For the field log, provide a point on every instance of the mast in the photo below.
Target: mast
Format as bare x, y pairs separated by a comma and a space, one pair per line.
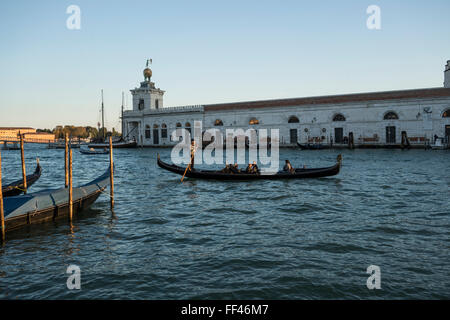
122, 118
103, 119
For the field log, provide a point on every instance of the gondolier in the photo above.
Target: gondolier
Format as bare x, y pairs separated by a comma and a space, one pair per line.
193, 150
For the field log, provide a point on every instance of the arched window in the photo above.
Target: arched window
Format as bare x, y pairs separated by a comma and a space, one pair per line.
339, 117
178, 125
391, 116
147, 132
218, 123
163, 130
253, 121
293, 119
155, 126
446, 114
188, 127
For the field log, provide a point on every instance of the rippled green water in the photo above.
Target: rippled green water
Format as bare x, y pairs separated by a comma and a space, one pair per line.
305, 239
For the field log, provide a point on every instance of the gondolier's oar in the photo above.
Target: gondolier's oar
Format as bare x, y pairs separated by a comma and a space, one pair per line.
187, 168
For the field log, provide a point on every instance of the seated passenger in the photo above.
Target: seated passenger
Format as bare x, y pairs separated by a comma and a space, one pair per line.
288, 167
234, 168
255, 168
227, 168
249, 168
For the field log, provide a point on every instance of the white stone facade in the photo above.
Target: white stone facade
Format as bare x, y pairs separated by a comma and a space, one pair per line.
421, 114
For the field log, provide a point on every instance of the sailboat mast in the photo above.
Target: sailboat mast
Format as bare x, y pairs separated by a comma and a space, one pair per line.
122, 117
103, 118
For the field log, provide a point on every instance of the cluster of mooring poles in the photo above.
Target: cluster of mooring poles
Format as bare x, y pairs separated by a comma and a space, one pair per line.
68, 178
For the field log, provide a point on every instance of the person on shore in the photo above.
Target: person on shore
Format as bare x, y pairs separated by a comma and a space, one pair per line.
288, 167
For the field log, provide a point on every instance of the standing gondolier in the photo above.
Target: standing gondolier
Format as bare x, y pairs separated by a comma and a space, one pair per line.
193, 150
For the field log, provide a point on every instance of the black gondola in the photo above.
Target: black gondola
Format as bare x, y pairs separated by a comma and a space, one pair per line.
88, 151
312, 146
51, 204
119, 144
218, 175
15, 188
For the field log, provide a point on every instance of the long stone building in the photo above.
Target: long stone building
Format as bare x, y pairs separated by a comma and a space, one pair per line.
368, 119
12, 134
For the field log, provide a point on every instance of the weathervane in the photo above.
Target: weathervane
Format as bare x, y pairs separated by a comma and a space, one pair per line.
149, 60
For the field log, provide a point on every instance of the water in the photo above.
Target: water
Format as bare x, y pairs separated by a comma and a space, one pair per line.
304, 239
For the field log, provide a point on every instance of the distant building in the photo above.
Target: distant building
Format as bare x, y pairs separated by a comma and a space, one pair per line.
29, 134
372, 119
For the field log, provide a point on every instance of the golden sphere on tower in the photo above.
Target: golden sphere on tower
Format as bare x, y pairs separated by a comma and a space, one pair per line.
147, 73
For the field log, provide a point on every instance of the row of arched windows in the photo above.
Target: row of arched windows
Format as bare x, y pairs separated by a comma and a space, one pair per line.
254, 121
294, 119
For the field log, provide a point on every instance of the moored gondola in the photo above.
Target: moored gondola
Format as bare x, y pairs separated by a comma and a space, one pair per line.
313, 146
89, 151
51, 204
17, 187
218, 175
119, 144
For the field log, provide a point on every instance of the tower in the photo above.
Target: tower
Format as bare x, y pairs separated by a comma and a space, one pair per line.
147, 96
447, 75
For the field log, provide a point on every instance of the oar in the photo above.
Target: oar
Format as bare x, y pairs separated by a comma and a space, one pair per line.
189, 165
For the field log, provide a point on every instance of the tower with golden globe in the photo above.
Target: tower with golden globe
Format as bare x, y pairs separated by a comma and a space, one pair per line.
147, 96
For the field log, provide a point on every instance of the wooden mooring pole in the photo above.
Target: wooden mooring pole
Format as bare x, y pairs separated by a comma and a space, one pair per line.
66, 160
111, 173
70, 186
24, 171
2, 216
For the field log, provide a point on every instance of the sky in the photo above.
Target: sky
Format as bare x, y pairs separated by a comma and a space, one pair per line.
209, 52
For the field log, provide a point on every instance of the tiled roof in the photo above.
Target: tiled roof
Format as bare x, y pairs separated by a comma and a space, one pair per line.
335, 99
15, 128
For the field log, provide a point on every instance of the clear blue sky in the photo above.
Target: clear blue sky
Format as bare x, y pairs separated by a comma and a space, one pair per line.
209, 52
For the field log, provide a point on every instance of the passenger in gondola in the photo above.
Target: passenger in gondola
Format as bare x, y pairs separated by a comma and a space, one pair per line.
288, 167
234, 168
227, 168
249, 168
255, 168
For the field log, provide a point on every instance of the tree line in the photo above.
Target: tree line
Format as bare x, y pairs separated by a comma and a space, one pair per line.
80, 132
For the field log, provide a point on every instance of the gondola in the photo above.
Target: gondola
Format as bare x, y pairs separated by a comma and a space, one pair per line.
119, 144
62, 145
312, 146
51, 204
88, 151
218, 175
15, 188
